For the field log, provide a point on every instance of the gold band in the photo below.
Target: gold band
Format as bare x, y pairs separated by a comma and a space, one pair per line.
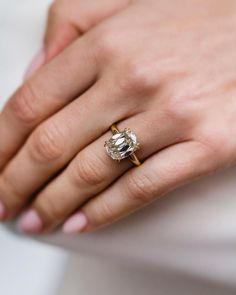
133, 158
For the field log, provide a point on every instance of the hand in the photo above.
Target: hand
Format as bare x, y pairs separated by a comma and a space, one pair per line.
171, 81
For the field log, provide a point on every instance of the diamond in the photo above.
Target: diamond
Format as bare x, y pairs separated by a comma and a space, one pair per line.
122, 144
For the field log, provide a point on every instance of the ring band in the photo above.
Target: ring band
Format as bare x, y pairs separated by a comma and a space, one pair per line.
123, 144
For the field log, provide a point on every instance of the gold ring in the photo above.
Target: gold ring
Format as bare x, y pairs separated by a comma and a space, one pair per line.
123, 144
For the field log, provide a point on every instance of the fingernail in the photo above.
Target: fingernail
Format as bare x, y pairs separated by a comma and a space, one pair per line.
75, 224
35, 64
31, 222
2, 211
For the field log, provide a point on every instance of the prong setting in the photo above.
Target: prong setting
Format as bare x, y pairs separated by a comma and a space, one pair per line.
122, 145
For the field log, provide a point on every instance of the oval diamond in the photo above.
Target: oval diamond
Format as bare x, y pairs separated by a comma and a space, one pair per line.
122, 144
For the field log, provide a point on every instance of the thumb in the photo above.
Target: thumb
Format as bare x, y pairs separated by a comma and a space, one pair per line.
67, 20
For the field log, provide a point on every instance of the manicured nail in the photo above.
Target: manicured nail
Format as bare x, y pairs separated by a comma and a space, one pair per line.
31, 222
35, 64
2, 211
75, 224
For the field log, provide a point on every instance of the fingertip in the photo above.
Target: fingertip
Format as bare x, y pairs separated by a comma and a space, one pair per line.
31, 222
36, 63
75, 224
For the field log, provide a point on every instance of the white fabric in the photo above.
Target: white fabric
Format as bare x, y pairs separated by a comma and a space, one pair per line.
182, 244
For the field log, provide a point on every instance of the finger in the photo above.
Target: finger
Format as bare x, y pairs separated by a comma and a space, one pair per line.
53, 87
91, 172
67, 21
53, 144
161, 173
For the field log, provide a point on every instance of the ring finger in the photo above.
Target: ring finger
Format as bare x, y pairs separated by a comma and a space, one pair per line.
92, 171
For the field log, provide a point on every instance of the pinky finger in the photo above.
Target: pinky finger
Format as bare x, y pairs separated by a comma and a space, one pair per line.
161, 173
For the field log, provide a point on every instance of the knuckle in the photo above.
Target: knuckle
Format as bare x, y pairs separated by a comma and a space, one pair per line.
51, 210
106, 42
179, 109
86, 170
140, 188
46, 144
106, 212
138, 77
24, 104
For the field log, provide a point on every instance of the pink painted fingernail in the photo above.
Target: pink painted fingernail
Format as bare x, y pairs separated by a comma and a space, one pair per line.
35, 64
2, 211
75, 224
31, 222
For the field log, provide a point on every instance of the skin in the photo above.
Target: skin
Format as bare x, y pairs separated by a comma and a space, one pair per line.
165, 71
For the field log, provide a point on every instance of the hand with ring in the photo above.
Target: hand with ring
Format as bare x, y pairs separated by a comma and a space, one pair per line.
152, 81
